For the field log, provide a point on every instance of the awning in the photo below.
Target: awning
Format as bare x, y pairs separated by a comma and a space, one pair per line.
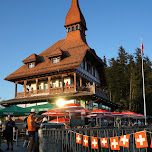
14, 111
44, 107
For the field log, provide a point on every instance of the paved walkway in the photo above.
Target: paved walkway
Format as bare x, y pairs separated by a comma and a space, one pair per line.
18, 148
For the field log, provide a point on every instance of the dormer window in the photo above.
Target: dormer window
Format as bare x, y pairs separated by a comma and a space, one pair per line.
56, 60
72, 28
31, 65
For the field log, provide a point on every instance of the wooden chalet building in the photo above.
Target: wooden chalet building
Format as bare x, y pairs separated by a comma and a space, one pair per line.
68, 69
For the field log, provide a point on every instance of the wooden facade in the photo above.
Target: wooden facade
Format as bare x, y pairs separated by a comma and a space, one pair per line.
68, 68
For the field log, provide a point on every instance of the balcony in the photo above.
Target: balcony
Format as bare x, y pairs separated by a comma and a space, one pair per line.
45, 91
57, 85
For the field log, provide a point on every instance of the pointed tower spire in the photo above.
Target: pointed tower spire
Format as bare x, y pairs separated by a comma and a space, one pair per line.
75, 21
75, 15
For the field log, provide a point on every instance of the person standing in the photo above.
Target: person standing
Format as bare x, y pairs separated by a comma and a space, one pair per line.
67, 84
139, 123
31, 129
9, 124
1, 123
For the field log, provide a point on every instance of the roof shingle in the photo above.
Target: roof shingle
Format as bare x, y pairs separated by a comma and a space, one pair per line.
74, 48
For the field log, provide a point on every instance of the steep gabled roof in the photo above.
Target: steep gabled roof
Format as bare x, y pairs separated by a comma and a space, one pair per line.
57, 52
31, 58
75, 51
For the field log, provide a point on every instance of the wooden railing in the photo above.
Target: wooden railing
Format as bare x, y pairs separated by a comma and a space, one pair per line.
45, 91
41, 91
102, 92
20, 94
56, 90
68, 88
30, 93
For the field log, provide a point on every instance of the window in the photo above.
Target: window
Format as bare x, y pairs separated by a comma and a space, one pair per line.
88, 67
77, 27
39, 87
60, 84
31, 65
45, 86
54, 84
72, 28
84, 64
56, 60
68, 29
94, 72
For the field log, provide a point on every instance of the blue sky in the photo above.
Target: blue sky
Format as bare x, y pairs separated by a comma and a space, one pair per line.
31, 26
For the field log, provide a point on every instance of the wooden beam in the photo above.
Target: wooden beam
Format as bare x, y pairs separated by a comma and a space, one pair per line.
71, 73
75, 82
16, 89
80, 81
36, 86
25, 82
49, 86
62, 77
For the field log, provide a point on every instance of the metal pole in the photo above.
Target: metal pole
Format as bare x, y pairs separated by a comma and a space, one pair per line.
143, 84
17, 137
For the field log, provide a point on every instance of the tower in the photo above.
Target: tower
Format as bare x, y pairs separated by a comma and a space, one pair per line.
75, 22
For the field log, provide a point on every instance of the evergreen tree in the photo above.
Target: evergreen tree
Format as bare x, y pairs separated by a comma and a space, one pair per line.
125, 83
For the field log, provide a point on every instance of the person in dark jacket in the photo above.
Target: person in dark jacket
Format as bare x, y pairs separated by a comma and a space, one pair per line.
9, 124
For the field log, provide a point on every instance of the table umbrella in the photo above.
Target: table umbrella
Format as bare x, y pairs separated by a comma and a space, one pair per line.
137, 116
68, 107
54, 113
60, 120
80, 110
100, 113
115, 115
128, 113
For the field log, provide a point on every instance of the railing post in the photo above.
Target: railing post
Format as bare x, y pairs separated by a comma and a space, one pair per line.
80, 82
49, 86
62, 77
75, 82
25, 82
36, 86
16, 89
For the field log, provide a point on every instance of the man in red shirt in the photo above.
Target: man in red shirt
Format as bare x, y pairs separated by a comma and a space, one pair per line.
31, 129
67, 84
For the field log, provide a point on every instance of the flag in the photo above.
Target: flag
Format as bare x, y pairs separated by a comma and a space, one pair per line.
104, 142
94, 142
141, 139
114, 142
124, 141
78, 138
142, 47
85, 141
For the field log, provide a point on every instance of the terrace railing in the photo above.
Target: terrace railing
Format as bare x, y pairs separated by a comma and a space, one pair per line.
62, 140
46, 91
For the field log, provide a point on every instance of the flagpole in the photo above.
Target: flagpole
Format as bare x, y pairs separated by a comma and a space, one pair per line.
143, 82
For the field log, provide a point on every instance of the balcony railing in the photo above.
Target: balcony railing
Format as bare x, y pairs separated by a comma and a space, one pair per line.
93, 89
20, 94
45, 91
